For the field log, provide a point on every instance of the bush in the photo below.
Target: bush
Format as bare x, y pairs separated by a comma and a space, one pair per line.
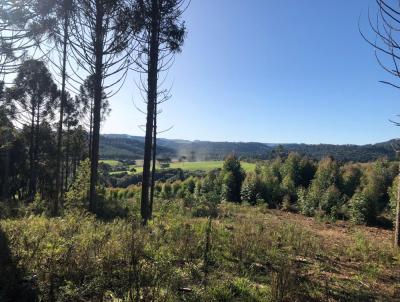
77, 195
232, 178
38, 206
286, 204
205, 210
166, 191
251, 189
307, 201
361, 209
393, 198
331, 202
238, 289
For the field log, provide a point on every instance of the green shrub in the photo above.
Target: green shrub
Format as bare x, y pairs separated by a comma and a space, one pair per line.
232, 177
251, 189
331, 202
166, 191
393, 191
361, 209
38, 206
205, 210
77, 195
308, 201
238, 289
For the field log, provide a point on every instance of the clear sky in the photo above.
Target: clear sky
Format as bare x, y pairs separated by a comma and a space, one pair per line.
284, 71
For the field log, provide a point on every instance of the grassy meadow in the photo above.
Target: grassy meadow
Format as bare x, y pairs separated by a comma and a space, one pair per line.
186, 166
111, 162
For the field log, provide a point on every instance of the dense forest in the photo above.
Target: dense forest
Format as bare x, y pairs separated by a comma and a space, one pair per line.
91, 217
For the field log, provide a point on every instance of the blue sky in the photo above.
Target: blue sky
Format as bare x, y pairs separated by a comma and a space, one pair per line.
284, 71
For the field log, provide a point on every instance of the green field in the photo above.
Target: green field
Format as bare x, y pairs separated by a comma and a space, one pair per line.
110, 162
202, 166
190, 166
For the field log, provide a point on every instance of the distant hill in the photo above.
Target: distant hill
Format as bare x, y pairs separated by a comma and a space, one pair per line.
122, 146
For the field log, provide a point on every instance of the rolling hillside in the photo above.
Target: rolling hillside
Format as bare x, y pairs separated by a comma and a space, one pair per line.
121, 146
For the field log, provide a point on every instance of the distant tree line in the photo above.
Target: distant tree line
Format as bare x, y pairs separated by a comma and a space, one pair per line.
124, 147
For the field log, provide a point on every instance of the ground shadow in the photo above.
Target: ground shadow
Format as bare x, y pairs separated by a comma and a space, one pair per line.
13, 287
382, 223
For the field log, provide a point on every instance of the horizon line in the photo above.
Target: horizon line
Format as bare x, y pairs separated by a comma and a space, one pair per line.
257, 142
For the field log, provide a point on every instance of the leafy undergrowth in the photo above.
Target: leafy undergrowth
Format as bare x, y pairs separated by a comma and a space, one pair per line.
245, 254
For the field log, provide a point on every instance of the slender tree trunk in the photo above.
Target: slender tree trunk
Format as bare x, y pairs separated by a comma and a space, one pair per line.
151, 99
397, 223
60, 123
153, 170
67, 159
31, 156
91, 129
36, 153
74, 158
97, 104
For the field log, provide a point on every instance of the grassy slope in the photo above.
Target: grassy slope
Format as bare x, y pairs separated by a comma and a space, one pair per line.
251, 249
338, 261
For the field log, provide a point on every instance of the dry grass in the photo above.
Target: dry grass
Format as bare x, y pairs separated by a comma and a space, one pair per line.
350, 263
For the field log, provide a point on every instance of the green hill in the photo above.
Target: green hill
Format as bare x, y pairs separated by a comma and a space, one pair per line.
117, 146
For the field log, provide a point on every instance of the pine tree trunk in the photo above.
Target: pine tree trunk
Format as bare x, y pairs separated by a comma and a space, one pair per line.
36, 154
94, 164
153, 170
397, 222
151, 99
91, 129
67, 145
31, 156
60, 123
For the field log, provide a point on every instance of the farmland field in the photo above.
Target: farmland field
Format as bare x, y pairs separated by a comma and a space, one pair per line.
110, 162
188, 166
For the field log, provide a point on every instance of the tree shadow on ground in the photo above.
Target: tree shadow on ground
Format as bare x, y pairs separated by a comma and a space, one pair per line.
383, 223
13, 287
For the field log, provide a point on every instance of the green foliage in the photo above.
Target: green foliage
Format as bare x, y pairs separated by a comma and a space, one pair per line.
122, 146
291, 174
331, 201
251, 256
251, 189
189, 185
373, 196
77, 195
271, 177
327, 174
205, 209
166, 191
238, 289
393, 193
323, 194
232, 176
38, 206
350, 178
307, 201
361, 208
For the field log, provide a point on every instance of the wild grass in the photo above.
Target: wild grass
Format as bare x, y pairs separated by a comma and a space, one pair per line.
244, 254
